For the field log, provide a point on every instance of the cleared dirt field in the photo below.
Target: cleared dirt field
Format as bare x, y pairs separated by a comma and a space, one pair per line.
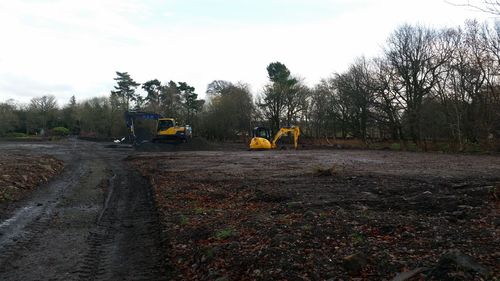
232, 214
326, 214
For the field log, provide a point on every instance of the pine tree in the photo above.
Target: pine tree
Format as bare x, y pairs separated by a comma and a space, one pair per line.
125, 88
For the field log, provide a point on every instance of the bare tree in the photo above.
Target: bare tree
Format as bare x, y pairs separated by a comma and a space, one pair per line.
388, 106
10, 120
295, 101
355, 86
42, 111
487, 6
229, 111
417, 54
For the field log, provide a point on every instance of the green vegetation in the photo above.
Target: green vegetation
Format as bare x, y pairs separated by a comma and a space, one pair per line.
209, 253
358, 238
184, 220
473, 148
200, 211
224, 233
411, 146
60, 131
16, 135
444, 147
395, 146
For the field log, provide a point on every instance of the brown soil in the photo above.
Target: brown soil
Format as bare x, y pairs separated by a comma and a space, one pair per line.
21, 173
297, 215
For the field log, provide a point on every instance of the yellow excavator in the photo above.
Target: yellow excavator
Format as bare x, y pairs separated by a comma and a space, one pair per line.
261, 137
166, 129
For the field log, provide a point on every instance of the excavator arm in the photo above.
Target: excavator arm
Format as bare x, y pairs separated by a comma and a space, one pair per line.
132, 116
286, 130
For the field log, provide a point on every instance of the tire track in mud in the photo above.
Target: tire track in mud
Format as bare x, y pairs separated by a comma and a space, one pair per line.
96, 221
127, 242
31, 221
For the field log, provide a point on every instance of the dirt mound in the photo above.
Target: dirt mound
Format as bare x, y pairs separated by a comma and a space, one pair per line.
22, 173
195, 144
143, 133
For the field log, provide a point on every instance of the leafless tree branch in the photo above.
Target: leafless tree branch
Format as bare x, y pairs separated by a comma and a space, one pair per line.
487, 6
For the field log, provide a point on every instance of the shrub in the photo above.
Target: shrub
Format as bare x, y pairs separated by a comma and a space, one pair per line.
444, 147
60, 131
411, 146
16, 135
395, 146
224, 233
184, 220
473, 147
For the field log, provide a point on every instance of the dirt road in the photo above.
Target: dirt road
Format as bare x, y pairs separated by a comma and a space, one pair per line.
96, 221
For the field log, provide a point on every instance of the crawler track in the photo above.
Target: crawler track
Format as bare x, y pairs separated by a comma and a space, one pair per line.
128, 216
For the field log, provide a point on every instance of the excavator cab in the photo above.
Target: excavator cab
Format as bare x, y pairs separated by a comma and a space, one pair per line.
261, 132
261, 139
164, 124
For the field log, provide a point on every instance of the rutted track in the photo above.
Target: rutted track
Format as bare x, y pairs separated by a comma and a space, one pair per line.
96, 221
128, 216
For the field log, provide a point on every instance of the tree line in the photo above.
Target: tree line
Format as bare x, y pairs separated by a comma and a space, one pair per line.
427, 85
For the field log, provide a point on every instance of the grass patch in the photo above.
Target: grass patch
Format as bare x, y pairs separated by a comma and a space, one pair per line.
395, 146
473, 148
200, 211
184, 220
411, 146
444, 147
16, 135
209, 253
358, 238
306, 227
224, 233
6, 195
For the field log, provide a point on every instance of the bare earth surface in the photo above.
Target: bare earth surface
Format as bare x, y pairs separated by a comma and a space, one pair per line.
19, 174
113, 213
327, 214
94, 221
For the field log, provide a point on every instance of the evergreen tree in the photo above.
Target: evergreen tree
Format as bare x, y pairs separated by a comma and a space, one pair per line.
189, 101
125, 88
152, 88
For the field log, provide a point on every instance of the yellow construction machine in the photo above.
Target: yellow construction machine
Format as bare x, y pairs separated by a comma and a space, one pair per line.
166, 129
261, 137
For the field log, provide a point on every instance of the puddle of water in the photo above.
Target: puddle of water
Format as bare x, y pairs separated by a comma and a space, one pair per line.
16, 217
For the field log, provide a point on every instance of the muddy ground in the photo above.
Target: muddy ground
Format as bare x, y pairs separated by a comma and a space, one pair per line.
114, 213
19, 174
326, 214
96, 220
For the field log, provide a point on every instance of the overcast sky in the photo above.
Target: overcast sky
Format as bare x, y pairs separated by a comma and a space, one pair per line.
74, 47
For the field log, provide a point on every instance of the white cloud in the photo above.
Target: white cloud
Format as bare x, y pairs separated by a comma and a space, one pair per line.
80, 44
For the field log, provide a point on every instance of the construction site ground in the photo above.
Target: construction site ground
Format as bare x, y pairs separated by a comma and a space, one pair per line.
114, 213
